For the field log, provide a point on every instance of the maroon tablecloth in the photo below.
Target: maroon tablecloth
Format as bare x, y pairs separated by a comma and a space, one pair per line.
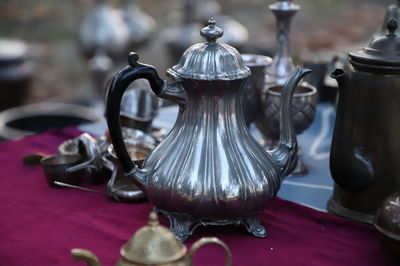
39, 225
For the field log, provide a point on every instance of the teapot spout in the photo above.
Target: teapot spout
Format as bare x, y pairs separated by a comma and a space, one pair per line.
86, 256
350, 167
284, 155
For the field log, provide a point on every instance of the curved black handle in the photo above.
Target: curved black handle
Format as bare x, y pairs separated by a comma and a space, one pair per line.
113, 103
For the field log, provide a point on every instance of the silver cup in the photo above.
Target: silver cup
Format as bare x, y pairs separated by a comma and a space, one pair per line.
254, 85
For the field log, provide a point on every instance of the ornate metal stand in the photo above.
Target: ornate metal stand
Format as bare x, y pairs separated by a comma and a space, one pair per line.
183, 225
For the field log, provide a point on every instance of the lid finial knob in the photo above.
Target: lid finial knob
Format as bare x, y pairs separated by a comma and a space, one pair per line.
392, 26
153, 219
133, 59
211, 32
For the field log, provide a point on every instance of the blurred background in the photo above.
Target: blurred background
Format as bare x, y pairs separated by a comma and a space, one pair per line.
56, 57
60, 71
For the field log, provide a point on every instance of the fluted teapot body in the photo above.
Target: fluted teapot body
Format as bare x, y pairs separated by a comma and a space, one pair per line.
209, 157
208, 169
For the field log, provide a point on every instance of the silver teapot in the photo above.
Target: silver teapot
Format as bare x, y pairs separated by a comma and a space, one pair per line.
209, 170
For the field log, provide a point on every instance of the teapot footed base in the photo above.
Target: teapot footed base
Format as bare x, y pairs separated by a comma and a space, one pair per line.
183, 225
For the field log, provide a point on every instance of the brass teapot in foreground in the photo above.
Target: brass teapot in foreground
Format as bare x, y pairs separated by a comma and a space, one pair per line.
209, 170
364, 159
154, 245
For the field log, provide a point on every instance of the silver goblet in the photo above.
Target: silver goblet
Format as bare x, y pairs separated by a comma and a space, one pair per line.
258, 65
303, 108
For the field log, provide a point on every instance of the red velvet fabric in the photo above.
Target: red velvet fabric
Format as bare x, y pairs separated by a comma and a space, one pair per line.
39, 225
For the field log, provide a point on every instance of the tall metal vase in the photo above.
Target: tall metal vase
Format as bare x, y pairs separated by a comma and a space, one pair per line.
282, 66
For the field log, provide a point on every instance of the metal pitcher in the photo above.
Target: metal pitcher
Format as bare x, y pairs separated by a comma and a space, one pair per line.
365, 150
208, 170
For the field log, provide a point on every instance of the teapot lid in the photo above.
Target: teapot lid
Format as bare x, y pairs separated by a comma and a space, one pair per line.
153, 244
210, 60
382, 55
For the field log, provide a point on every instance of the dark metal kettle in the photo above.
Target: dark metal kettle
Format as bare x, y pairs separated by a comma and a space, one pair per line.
365, 146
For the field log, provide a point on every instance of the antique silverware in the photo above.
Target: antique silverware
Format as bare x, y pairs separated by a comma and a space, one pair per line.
92, 158
140, 24
282, 66
387, 223
154, 245
91, 154
62, 184
139, 106
121, 186
251, 99
303, 107
71, 146
33, 158
56, 167
208, 170
180, 37
365, 146
277, 73
103, 29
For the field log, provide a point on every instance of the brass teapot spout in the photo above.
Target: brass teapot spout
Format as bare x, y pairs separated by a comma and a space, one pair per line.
154, 244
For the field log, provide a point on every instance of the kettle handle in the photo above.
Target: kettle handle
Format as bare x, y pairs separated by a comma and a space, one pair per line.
209, 240
116, 89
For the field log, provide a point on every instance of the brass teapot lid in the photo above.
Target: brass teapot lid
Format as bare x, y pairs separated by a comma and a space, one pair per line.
382, 55
153, 244
210, 60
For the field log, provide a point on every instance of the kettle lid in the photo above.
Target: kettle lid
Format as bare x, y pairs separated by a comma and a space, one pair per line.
153, 244
382, 55
210, 60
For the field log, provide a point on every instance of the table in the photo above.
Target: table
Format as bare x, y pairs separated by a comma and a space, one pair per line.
39, 224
